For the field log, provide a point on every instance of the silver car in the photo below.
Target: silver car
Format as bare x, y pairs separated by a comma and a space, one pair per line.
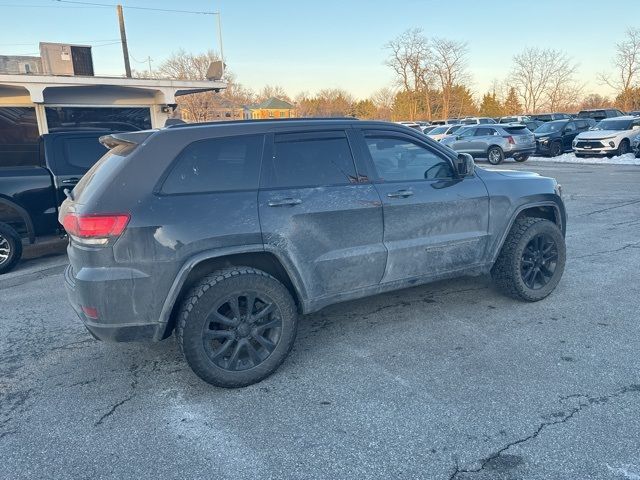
494, 142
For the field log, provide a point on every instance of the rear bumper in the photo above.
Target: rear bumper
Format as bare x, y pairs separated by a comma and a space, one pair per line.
117, 320
517, 150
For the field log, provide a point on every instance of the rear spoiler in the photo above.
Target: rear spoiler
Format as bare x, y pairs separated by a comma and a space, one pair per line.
131, 138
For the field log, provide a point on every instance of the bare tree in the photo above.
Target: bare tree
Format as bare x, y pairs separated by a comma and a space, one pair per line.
383, 100
543, 78
269, 91
627, 64
450, 66
410, 60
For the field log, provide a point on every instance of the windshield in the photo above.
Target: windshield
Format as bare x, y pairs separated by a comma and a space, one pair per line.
551, 127
592, 114
439, 130
613, 124
454, 129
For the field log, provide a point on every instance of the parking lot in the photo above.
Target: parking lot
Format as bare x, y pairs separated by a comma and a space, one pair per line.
445, 381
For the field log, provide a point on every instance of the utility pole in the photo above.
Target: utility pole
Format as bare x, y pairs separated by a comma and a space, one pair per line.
123, 38
220, 41
149, 60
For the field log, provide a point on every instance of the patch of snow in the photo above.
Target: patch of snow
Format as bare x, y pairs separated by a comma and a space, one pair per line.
625, 471
628, 159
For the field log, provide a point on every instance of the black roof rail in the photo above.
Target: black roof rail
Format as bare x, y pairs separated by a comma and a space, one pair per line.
235, 122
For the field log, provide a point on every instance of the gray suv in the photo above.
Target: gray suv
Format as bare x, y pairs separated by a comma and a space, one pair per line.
224, 233
494, 142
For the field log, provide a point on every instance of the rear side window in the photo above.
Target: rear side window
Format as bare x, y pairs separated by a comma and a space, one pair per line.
483, 132
18, 137
75, 155
310, 159
216, 165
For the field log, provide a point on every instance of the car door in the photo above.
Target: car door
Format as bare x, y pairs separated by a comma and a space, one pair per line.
318, 213
569, 132
483, 138
464, 141
434, 221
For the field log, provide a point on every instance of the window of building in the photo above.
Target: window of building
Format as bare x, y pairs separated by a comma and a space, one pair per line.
216, 165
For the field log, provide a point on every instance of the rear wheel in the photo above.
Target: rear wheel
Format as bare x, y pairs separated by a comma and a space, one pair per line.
531, 261
555, 149
521, 158
495, 155
236, 326
10, 248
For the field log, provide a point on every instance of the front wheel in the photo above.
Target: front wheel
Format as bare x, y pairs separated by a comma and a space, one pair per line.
532, 259
555, 149
624, 147
495, 155
10, 248
236, 326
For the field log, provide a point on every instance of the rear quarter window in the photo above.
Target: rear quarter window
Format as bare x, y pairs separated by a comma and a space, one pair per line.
216, 165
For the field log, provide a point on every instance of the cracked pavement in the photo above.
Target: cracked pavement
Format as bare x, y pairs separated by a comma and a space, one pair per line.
445, 381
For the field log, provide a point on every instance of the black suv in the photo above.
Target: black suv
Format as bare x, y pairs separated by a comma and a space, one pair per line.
600, 113
554, 138
225, 232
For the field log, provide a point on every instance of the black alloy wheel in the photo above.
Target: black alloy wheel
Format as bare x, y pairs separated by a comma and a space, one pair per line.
242, 331
538, 262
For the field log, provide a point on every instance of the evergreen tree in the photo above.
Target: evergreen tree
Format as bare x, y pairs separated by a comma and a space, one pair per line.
512, 105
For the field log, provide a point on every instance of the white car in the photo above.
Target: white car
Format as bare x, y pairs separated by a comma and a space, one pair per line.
611, 136
515, 119
477, 121
442, 131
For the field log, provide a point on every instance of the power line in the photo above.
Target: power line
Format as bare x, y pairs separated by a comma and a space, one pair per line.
111, 5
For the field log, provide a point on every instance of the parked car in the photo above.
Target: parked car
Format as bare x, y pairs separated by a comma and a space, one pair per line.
600, 114
441, 131
514, 119
554, 138
413, 125
32, 184
494, 142
477, 121
428, 129
448, 121
612, 136
532, 125
635, 146
223, 233
635, 113
549, 117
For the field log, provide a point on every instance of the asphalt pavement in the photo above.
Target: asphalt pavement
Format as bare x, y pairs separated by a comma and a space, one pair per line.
445, 381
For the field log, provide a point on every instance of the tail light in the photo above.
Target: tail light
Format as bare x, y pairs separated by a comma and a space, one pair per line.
95, 229
511, 140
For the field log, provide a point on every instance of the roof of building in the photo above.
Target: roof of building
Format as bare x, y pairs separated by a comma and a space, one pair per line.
272, 103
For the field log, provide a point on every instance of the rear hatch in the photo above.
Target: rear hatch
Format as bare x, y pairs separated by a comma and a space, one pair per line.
521, 134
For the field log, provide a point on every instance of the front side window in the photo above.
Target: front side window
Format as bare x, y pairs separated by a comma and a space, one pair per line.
466, 132
397, 159
310, 160
571, 127
216, 165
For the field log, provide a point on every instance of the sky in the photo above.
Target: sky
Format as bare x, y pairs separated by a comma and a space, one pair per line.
305, 45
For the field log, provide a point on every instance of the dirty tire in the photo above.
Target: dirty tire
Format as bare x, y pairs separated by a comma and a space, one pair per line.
10, 248
624, 147
508, 271
495, 155
521, 158
207, 322
555, 149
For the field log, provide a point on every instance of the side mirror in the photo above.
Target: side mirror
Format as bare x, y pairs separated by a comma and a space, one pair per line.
465, 165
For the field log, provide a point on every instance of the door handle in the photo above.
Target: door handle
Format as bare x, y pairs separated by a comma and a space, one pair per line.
71, 180
400, 194
284, 202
